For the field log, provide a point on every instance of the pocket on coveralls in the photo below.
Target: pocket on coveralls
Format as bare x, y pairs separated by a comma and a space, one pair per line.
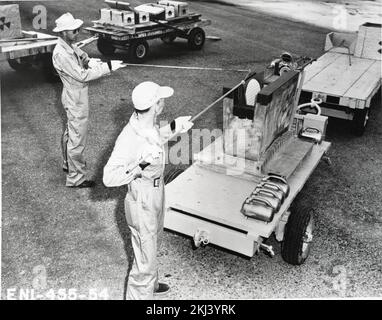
131, 208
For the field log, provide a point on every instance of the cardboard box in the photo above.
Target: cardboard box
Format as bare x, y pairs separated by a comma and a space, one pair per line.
154, 12
181, 8
169, 11
141, 17
10, 22
273, 114
117, 17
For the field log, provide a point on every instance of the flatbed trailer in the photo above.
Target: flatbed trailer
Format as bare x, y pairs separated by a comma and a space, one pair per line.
205, 201
347, 76
33, 48
134, 38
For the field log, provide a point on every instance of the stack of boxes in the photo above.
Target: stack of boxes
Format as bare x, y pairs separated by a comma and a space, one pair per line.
119, 14
117, 17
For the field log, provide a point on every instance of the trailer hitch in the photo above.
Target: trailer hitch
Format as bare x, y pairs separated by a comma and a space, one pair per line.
267, 248
201, 238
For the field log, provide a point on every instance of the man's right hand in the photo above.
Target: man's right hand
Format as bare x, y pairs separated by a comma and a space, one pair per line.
117, 64
183, 124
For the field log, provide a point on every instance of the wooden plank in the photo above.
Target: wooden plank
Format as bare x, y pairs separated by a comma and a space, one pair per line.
28, 46
218, 197
289, 158
318, 66
365, 85
337, 78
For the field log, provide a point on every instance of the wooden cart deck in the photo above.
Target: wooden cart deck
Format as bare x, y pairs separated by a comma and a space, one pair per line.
18, 49
352, 80
205, 198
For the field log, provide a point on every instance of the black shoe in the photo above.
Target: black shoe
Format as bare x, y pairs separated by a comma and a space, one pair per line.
85, 184
162, 289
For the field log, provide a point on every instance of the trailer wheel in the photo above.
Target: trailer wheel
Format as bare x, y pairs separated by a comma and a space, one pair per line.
168, 39
105, 47
298, 236
138, 50
171, 175
361, 117
20, 64
196, 38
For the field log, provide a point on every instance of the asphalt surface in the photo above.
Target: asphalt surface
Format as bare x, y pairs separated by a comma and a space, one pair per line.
55, 238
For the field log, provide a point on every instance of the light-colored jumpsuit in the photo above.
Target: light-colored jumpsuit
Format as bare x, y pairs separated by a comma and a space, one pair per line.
70, 63
144, 202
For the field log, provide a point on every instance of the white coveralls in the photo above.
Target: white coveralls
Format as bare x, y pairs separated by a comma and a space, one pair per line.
70, 64
144, 202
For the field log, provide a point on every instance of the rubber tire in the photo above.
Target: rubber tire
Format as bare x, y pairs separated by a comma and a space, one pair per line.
291, 247
139, 56
172, 174
168, 39
105, 47
196, 38
19, 64
360, 121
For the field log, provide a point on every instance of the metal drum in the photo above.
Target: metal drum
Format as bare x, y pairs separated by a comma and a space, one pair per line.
272, 197
279, 181
258, 208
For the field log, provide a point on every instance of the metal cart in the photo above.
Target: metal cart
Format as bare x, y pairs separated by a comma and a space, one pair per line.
135, 38
207, 200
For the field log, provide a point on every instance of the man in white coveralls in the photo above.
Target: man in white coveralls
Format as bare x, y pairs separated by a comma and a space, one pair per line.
76, 69
138, 160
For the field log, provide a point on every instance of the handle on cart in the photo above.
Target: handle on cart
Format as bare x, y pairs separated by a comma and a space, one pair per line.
269, 192
266, 183
271, 176
262, 201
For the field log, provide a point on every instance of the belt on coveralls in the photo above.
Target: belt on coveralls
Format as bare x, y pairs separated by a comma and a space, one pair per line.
147, 181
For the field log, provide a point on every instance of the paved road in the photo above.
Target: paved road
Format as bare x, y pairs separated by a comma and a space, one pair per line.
55, 237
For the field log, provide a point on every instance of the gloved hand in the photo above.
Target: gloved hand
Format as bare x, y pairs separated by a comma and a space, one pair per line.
183, 124
117, 64
150, 153
92, 62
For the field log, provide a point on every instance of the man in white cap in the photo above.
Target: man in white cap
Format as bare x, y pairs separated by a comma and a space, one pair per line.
138, 160
76, 69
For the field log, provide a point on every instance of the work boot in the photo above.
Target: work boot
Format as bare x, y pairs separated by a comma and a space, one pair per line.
162, 289
85, 184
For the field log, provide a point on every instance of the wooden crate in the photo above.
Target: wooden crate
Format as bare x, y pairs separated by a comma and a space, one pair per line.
272, 115
10, 22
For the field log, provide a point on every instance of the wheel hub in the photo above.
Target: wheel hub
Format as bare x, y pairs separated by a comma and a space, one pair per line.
141, 51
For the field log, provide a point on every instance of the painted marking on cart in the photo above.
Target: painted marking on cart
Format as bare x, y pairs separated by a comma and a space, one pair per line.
209, 220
